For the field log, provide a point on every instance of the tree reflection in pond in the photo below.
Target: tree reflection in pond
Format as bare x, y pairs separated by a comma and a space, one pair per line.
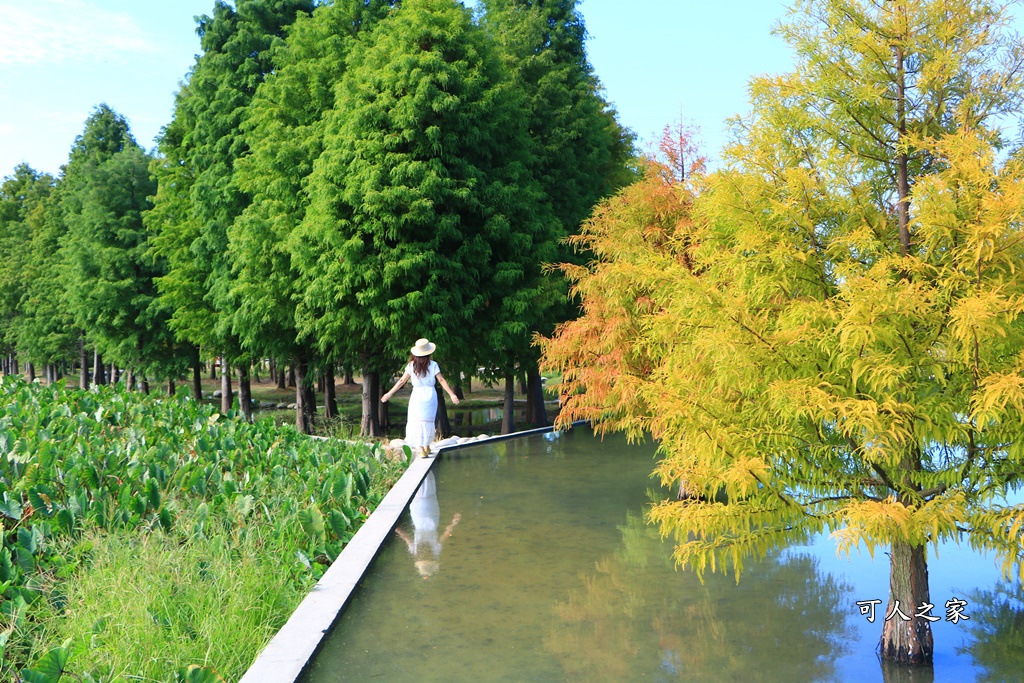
785, 621
997, 633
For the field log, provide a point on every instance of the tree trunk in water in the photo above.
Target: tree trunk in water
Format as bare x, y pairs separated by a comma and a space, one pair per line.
907, 641
98, 375
536, 413
441, 422
291, 376
83, 373
245, 392
370, 423
30, 371
330, 400
507, 413
225, 386
197, 378
280, 378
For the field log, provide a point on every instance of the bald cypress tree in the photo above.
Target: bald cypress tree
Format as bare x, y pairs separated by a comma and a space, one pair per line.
424, 214
284, 130
198, 199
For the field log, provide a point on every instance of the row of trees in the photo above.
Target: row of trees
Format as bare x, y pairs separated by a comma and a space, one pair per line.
827, 333
337, 180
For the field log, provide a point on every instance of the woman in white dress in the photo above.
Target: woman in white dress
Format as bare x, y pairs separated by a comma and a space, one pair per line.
419, 428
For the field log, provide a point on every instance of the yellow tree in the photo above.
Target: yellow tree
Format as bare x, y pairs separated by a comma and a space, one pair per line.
837, 341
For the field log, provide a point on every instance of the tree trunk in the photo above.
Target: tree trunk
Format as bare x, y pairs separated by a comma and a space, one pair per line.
907, 641
370, 423
83, 373
507, 415
536, 413
384, 413
213, 369
280, 378
291, 376
14, 366
98, 375
522, 384
320, 386
330, 400
144, 384
30, 371
298, 369
197, 377
225, 386
273, 371
129, 379
441, 422
349, 380
245, 392
170, 386
309, 399
115, 374
256, 371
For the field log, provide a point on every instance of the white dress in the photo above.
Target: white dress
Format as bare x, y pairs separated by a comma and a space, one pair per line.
419, 429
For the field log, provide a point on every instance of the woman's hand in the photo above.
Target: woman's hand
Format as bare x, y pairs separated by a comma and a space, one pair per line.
455, 399
385, 397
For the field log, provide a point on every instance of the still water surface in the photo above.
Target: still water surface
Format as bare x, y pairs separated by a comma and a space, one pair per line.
528, 560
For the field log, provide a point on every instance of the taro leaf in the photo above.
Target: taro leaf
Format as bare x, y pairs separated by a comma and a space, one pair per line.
243, 505
153, 494
342, 484
138, 505
339, 523
312, 521
10, 508
49, 668
302, 558
25, 560
198, 674
65, 520
40, 500
7, 571
166, 521
27, 540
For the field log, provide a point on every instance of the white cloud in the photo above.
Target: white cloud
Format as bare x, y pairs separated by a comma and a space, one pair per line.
57, 31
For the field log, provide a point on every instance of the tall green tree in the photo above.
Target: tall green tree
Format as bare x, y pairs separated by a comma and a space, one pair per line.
109, 272
580, 154
839, 346
424, 216
284, 130
198, 199
21, 196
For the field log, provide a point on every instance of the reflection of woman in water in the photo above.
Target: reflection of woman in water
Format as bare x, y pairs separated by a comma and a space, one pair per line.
425, 545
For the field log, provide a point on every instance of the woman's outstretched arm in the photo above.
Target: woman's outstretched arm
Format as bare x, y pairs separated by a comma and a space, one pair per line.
398, 385
444, 385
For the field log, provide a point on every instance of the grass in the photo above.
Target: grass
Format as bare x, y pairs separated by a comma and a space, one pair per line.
149, 603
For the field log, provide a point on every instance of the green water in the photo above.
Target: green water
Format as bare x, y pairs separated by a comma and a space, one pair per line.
550, 574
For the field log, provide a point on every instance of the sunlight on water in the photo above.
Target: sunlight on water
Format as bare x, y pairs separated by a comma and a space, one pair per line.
528, 560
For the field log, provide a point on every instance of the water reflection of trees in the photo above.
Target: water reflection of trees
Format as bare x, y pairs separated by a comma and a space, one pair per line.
786, 620
997, 632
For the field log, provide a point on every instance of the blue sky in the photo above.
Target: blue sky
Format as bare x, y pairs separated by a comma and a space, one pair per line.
658, 60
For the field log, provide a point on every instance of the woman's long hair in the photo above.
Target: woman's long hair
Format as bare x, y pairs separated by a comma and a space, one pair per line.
420, 364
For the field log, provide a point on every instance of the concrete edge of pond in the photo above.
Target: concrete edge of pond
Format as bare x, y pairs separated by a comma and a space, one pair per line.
286, 656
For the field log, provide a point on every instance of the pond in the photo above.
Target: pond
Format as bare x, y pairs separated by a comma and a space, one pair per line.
528, 560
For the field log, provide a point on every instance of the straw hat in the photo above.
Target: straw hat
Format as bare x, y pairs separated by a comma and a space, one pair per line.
423, 348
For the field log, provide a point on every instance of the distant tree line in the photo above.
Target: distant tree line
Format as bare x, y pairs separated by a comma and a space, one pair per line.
337, 180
